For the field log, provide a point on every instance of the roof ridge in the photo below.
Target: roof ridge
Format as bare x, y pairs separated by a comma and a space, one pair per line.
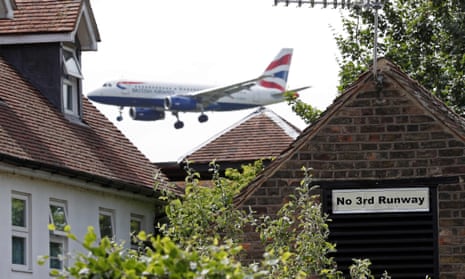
441, 111
219, 134
413, 87
291, 130
237, 140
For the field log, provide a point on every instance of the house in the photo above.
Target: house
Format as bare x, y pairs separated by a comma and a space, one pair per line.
61, 161
261, 135
389, 160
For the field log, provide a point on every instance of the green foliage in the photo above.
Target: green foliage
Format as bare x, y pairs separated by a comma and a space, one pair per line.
361, 269
305, 111
425, 38
299, 233
164, 259
202, 239
206, 212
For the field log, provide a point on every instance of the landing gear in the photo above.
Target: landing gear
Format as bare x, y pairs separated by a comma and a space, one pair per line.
178, 124
203, 118
120, 116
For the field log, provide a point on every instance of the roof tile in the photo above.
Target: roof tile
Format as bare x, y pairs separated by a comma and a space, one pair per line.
42, 16
262, 134
32, 129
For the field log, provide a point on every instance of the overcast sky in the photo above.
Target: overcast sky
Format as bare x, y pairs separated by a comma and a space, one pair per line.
213, 42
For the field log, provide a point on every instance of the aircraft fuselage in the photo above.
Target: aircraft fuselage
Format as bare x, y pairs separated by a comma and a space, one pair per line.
147, 94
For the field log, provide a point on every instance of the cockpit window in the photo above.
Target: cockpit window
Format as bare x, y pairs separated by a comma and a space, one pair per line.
108, 84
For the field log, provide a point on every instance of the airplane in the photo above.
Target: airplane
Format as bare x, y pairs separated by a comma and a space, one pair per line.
148, 101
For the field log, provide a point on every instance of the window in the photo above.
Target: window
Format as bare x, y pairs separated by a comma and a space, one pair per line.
57, 249
106, 223
19, 250
71, 81
58, 217
71, 96
136, 225
19, 212
71, 63
21, 231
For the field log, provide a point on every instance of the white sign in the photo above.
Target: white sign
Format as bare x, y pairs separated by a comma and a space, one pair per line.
381, 200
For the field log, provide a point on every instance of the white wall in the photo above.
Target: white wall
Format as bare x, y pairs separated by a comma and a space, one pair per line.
83, 203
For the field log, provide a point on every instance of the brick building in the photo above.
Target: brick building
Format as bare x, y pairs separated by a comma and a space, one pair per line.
389, 159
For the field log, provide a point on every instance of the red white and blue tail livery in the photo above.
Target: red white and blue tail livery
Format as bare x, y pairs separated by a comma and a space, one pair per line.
277, 72
148, 101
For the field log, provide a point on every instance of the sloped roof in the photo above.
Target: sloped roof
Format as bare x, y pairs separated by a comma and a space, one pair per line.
389, 72
262, 134
34, 134
42, 16
34, 18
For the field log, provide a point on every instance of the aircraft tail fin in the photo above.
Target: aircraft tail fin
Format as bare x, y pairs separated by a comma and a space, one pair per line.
277, 71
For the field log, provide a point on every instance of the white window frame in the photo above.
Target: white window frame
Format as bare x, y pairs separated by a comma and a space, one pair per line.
71, 79
63, 205
139, 218
109, 213
71, 83
62, 240
57, 235
71, 64
24, 232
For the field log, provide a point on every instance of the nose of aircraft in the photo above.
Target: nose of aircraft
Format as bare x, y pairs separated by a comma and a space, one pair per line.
96, 95
108, 94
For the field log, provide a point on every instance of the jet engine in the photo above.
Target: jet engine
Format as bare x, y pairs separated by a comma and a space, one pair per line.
180, 103
146, 114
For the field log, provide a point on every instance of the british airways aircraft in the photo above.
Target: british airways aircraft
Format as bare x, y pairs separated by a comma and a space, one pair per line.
148, 101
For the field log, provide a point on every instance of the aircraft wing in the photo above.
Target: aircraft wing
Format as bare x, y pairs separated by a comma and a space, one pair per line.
293, 91
298, 89
211, 95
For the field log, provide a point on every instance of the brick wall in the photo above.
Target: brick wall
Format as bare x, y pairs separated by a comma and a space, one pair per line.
399, 132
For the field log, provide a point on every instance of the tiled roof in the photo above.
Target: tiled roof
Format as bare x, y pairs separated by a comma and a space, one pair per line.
33, 133
262, 134
391, 73
42, 16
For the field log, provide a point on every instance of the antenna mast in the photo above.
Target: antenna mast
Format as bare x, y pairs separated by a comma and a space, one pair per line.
367, 4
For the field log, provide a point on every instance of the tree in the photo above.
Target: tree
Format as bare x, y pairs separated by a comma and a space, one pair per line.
424, 37
206, 213
305, 111
300, 234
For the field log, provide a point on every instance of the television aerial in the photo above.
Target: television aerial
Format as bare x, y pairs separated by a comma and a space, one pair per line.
374, 5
